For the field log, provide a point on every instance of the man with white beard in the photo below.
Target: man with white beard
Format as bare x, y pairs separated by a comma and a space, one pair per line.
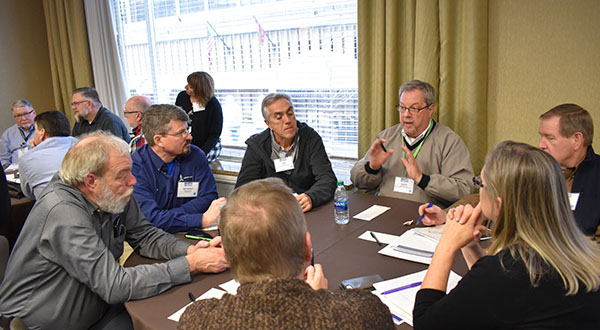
64, 272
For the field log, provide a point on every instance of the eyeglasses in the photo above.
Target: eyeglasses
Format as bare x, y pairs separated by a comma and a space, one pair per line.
23, 114
413, 110
478, 183
130, 112
181, 134
77, 103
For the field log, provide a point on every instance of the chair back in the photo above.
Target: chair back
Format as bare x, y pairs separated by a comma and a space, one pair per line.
4, 252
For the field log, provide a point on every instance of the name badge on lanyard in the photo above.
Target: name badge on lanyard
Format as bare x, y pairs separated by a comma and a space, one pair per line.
284, 164
404, 185
187, 189
573, 199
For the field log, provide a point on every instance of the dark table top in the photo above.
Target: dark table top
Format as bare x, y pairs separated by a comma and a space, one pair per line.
336, 247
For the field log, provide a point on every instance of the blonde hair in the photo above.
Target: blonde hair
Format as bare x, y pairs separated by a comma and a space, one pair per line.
264, 231
90, 155
203, 85
535, 222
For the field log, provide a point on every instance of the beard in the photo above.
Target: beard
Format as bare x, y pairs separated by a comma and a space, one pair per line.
186, 149
110, 202
80, 116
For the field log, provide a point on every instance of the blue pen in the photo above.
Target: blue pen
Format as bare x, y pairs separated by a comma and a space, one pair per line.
408, 286
421, 217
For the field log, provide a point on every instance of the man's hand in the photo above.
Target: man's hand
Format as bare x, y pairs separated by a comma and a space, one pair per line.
305, 202
412, 168
313, 275
378, 156
434, 215
32, 143
214, 211
215, 242
207, 260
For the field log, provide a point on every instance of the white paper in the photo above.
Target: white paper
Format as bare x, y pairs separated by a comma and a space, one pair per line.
433, 233
402, 302
212, 293
230, 286
372, 212
413, 240
382, 237
11, 178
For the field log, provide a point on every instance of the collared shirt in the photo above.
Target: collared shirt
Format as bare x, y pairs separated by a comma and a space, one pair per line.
412, 141
64, 270
137, 141
39, 164
14, 139
105, 121
278, 152
156, 190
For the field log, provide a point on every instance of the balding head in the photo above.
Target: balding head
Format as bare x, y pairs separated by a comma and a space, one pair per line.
135, 108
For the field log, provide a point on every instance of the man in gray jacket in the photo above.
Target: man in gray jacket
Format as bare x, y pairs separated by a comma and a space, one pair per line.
63, 272
417, 159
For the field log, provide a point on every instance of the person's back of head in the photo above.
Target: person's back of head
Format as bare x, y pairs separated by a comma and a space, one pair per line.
139, 103
54, 122
264, 232
203, 86
157, 119
535, 221
573, 119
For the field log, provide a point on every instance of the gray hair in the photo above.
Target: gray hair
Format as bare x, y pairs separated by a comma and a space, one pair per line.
21, 103
428, 90
157, 120
89, 93
270, 99
90, 155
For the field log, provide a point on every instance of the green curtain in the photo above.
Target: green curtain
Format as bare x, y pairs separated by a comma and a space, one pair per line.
443, 42
69, 51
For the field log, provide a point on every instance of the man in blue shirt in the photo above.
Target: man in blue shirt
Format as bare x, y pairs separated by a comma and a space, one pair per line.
15, 140
175, 186
50, 143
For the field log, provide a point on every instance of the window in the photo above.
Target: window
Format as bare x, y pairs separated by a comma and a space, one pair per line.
251, 48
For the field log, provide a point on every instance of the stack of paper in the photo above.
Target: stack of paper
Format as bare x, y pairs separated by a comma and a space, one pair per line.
229, 287
399, 293
411, 246
433, 233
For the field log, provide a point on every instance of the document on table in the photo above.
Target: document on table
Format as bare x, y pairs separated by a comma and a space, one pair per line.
229, 287
372, 212
411, 246
382, 237
399, 293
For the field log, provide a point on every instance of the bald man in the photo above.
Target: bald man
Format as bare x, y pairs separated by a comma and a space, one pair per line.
134, 112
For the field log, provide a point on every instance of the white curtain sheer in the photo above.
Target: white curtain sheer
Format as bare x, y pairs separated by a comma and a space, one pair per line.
106, 65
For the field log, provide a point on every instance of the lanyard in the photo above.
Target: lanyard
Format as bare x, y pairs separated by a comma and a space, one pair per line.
416, 152
25, 138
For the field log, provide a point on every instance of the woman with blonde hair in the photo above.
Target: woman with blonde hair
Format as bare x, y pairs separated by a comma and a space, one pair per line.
205, 112
540, 272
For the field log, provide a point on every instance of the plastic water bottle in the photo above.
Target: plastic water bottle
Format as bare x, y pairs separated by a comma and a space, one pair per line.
340, 199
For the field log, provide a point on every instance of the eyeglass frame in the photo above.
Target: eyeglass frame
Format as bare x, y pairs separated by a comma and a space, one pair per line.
478, 182
183, 134
23, 114
130, 112
412, 110
78, 102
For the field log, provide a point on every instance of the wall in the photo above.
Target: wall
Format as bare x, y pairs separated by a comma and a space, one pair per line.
25, 64
541, 53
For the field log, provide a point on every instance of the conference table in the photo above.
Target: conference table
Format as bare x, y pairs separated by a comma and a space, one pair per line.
337, 247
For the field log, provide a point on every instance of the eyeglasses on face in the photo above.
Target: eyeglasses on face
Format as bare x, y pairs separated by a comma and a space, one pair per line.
182, 134
77, 103
130, 112
413, 110
21, 115
478, 183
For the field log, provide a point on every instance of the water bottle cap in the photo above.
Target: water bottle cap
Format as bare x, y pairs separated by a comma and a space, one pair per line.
340, 183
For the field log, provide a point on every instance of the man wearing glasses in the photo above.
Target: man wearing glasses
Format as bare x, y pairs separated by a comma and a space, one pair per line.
92, 116
15, 140
134, 112
175, 186
417, 159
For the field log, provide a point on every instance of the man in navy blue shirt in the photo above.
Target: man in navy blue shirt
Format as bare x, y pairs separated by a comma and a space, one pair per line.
175, 186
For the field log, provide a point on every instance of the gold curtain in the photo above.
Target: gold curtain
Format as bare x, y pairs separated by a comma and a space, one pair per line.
443, 42
69, 51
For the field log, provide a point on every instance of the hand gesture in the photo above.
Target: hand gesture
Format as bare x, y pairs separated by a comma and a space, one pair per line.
463, 226
378, 156
412, 168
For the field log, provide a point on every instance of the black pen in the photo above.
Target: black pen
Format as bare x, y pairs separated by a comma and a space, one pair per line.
312, 257
191, 297
375, 237
383, 147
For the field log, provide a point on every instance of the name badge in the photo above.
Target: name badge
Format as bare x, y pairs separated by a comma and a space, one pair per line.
21, 152
187, 189
573, 199
404, 185
284, 164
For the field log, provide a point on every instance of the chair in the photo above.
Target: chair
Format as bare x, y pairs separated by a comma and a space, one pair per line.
4, 252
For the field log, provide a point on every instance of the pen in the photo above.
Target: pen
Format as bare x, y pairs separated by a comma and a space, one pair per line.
422, 216
192, 298
312, 257
198, 238
408, 286
375, 237
383, 147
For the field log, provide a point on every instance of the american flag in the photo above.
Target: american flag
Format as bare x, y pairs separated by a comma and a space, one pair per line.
210, 46
261, 32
